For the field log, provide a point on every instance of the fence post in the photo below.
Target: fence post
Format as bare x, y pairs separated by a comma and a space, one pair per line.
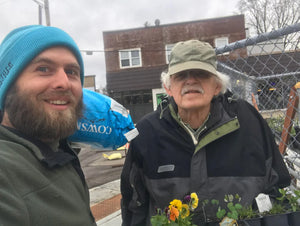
254, 102
290, 115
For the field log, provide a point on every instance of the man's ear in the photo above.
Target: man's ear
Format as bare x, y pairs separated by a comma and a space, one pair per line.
218, 88
5, 120
168, 90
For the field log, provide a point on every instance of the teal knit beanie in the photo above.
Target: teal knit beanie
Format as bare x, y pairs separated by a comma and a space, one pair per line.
23, 44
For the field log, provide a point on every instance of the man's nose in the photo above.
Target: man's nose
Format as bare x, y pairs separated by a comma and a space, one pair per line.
61, 80
190, 76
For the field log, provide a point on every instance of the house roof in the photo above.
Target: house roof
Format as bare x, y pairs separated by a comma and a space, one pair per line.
179, 23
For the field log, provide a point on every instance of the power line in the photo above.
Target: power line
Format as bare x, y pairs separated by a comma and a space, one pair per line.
90, 52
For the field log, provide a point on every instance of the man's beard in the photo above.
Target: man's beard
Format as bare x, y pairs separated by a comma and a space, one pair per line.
32, 120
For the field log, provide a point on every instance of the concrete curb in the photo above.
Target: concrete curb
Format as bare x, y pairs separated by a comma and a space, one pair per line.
113, 219
103, 192
101, 199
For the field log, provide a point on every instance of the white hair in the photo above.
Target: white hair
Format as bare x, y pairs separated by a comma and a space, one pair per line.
165, 80
222, 79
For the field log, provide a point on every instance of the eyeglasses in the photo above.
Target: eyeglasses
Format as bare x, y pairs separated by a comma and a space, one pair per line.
197, 74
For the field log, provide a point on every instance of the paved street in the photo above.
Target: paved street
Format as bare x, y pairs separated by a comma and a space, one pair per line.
97, 169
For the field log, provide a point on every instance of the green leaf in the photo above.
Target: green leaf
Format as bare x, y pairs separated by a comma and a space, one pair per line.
233, 215
159, 220
230, 206
221, 213
238, 206
230, 197
215, 202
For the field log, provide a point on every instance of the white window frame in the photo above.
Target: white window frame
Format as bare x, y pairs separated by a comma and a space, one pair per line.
130, 58
168, 49
221, 40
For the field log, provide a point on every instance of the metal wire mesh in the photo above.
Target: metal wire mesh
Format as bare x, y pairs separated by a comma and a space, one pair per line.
264, 69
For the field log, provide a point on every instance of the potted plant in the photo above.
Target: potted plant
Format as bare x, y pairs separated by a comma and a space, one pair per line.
233, 213
177, 213
294, 205
249, 216
286, 211
209, 220
228, 215
276, 216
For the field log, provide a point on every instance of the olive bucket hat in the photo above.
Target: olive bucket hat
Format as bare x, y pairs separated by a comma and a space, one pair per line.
192, 54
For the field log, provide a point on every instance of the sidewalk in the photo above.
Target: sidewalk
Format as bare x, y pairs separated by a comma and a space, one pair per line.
105, 204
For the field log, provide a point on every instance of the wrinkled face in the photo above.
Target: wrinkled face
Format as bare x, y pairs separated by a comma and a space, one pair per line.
46, 99
193, 89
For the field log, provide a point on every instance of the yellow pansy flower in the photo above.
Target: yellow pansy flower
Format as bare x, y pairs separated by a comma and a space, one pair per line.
176, 203
185, 212
194, 200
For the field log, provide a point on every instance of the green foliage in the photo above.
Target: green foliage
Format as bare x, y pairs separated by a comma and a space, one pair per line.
221, 213
277, 208
159, 220
276, 124
187, 221
247, 212
281, 207
215, 202
292, 198
232, 208
205, 202
162, 220
233, 214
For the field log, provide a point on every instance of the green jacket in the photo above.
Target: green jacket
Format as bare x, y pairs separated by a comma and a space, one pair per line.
40, 187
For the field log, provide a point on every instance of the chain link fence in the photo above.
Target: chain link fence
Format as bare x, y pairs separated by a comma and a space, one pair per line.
265, 70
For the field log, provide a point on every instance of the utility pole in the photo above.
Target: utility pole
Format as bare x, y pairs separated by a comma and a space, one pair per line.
47, 12
40, 15
40, 5
43, 4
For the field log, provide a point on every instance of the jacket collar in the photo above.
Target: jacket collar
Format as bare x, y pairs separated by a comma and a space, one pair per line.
43, 152
168, 110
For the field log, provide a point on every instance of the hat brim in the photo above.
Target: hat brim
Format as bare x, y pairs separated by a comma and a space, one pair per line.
190, 65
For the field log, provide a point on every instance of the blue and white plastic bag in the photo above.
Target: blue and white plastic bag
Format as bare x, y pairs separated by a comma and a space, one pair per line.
105, 124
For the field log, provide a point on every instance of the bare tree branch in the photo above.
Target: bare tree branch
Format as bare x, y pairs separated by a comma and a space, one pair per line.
267, 15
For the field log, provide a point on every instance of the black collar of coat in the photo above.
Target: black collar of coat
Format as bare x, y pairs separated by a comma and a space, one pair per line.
218, 110
51, 159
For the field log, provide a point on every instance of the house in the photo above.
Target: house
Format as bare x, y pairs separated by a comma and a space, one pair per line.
135, 58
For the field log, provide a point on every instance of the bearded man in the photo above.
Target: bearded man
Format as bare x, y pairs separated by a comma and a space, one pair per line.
199, 140
41, 80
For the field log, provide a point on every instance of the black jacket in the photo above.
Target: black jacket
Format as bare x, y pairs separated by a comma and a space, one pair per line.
235, 153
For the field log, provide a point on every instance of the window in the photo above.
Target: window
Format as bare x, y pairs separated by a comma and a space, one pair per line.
221, 42
130, 58
168, 51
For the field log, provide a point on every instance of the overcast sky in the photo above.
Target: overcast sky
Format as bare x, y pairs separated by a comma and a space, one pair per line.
85, 20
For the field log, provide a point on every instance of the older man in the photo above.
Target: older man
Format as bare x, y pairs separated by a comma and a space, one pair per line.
199, 140
41, 100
